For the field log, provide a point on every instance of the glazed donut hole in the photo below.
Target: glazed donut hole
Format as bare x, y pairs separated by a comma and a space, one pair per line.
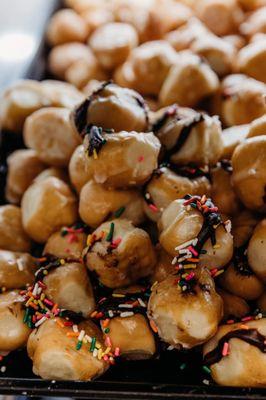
68, 243
19, 101
126, 159
256, 250
97, 203
222, 17
243, 225
185, 319
242, 100
255, 23
232, 137
69, 286
251, 60
79, 168
83, 71
222, 192
147, 67
219, 53
172, 14
64, 55
248, 178
233, 306
112, 107
49, 132
168, 184
183, 37
62, 94
46, 206
244, 364
66, 26
188, 136
188, 82
120, 254
12, 235
16, 270
51, 339
180, 225
241, 283
23, 167
13, 332
131, 333
97, 17
112, 43
250, 5
82, 5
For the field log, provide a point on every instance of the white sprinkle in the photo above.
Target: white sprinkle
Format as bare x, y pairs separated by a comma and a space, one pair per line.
126, 314
95, 352
88, 338
188, 208
206, 382
53, 381
147, 195
170, 348
228, 226
3, 369
141, 302
38, 323
20, 264
110, 313
186, 244
125, 305
174, 260
39, 291
75, 328
35, 289
81, 335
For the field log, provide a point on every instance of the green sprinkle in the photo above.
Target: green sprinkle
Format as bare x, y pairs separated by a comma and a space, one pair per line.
206, 369
119, 212
107, 330
109, 237
93, 342
26, 316
183, 366
64, 232
193, 205
79, 344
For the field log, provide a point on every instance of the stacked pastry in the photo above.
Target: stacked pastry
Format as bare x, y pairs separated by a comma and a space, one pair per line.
135, 214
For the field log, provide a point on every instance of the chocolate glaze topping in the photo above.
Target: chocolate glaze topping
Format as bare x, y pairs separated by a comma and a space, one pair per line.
251, 336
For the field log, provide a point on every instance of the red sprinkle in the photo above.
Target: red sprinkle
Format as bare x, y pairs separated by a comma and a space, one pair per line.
141, 158
225, 351
193, 251
249, 318
153, 207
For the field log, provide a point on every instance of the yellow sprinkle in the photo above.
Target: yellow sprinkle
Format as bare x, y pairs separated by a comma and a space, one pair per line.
118, 295
41, 303
155, 283
95, 155
216, 246
190, 266
89, 240
100, 353
29, 301
219, 273
45, 272
62, 261
42, 296
35, 301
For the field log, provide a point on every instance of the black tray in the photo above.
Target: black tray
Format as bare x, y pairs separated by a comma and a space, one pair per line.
172, 376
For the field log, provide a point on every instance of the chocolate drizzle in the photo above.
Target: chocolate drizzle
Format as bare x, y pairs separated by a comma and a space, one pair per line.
170, 112
251, 336
185, 132
94, 140
226, 165
80, 113
111, 307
